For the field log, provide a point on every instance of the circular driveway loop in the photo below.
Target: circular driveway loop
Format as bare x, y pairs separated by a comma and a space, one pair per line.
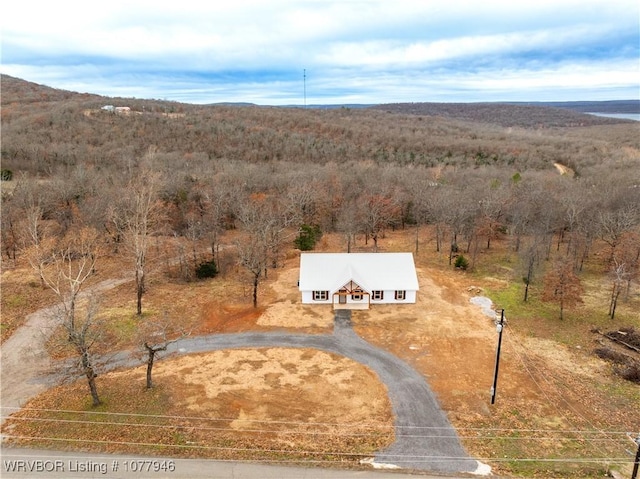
425, 440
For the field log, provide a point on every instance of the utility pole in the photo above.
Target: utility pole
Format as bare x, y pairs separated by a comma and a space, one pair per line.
636, 463
304, 81
499, 328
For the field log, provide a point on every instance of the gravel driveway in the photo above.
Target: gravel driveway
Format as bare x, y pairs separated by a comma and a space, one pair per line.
431, 446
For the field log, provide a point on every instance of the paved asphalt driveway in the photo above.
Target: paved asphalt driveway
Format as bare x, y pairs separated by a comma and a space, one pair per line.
425, 440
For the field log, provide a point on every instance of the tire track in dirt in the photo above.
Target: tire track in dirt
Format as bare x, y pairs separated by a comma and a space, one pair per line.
24, 362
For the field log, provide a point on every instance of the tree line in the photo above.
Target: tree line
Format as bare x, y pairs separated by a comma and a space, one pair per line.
467, 208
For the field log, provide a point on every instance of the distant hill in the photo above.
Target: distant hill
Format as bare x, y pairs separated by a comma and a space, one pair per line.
533, 115
519, 114
612, 106
18, 90
48, 131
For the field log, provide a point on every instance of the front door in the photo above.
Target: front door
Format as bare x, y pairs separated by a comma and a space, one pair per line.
342, 297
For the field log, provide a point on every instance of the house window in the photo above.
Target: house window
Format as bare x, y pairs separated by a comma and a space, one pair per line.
401, 295
357, 295
320, 295
377, 295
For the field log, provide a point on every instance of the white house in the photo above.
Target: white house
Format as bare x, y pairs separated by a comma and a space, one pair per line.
357, 280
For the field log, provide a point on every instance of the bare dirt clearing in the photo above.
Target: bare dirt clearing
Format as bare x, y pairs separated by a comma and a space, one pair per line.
301, 385
259, 404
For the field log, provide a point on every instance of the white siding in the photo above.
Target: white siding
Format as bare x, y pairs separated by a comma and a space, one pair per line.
389, 298
387, 272
307, 298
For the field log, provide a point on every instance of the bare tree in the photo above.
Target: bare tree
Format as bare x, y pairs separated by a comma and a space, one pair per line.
155, 336
424, 192
84, 331
633, 252
347, 216
620, 273
137, 214
492, 205
459, 218
216, 207
530, 257
70, 263
38, 254
265, 222
9, 231
378, 213
347, 223
194, 232
306, 198
253, 256
626, 264
33, 230
614, 223
439, 205
562, 286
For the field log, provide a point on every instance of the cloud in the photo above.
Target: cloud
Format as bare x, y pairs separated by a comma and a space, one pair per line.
364, 50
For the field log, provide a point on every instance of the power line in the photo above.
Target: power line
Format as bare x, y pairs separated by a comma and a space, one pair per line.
562, 398
267, 421
400, 457
483, 436
307, 433
204, 428
303, 432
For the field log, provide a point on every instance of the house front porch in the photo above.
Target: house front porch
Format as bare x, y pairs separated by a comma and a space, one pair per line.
351, 306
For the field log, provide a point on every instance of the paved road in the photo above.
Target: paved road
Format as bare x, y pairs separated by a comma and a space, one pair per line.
425, 440
42, 464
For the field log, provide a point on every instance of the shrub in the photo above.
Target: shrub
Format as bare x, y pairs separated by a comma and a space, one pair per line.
461, 262
207, 269
6, 175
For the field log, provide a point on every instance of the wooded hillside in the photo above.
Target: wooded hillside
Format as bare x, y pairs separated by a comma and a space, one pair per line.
531, 174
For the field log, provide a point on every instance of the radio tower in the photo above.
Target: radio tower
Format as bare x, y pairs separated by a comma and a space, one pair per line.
304, 81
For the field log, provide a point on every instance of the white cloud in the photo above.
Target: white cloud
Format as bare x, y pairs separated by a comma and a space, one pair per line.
376, 45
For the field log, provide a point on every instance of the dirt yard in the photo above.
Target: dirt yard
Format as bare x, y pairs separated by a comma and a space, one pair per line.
545, 390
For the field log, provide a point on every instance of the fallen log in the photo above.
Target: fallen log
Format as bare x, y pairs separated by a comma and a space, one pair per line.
620, 341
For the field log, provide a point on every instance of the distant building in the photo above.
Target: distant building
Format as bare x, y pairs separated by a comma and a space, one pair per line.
123, 109
108, 108
357, 280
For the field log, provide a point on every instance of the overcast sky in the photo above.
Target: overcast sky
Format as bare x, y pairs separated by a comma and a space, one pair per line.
353, 51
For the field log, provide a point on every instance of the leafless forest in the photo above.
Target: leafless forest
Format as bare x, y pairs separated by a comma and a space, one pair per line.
537, 176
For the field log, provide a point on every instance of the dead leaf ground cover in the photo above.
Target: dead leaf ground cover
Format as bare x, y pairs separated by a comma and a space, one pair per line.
258, 404
557, 405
